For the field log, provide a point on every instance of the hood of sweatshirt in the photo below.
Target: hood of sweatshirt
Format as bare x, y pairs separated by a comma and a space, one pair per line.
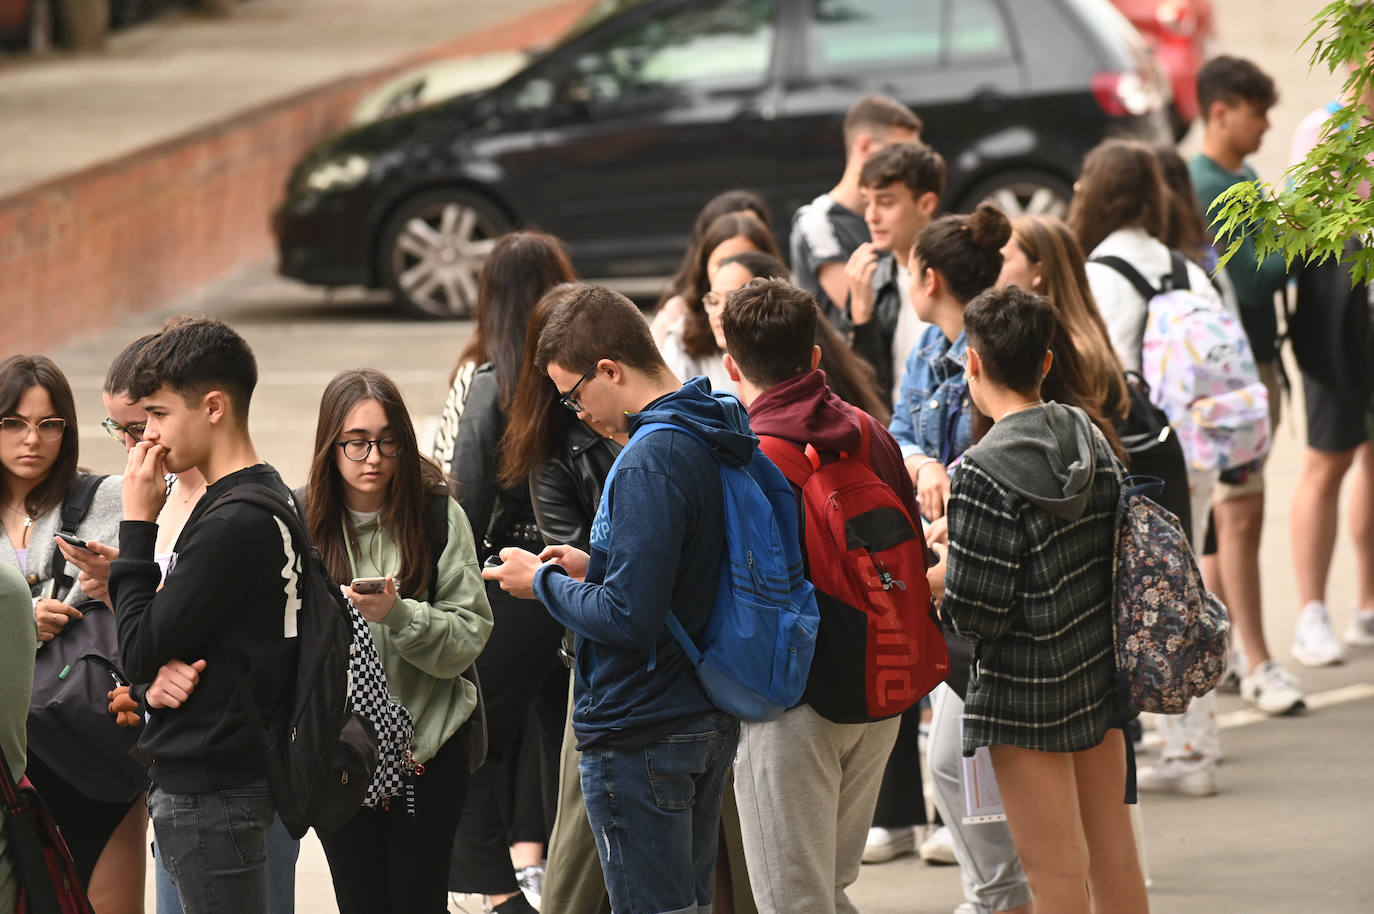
720, 419
804, 410
1047, 454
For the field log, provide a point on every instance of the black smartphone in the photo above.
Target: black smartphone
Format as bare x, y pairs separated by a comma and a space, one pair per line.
73, 541
493, 561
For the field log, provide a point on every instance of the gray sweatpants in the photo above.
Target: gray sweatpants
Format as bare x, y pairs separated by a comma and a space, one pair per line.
806, 789
988, 863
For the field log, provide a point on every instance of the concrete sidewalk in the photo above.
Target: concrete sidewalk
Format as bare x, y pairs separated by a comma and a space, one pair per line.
183, 71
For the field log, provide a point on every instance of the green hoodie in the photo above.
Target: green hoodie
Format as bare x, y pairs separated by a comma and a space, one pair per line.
425, 647
18, 642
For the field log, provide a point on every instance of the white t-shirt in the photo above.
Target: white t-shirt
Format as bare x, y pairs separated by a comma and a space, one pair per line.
910, 329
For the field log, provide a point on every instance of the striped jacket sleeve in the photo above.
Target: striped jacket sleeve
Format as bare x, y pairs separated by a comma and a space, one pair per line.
986, 546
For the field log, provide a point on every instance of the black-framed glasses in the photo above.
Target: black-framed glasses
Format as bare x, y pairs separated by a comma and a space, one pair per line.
134, 430
46, 429
568, 399
358, 449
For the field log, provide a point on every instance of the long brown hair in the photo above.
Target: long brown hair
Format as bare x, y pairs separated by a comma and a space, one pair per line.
697, 337
17, 374
521, 266
1186, 230
1120, 186
535, 412
405, 513
736, 200
1048, 242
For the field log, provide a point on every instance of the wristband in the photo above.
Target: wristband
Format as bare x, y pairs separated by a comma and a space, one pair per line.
916, 474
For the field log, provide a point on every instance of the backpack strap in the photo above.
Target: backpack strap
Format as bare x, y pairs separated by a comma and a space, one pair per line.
1130, 274
1178, 278
288, 512
437, 504
75, 507
796, 465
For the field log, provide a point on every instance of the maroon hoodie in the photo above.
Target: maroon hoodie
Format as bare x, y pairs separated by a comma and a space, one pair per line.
803, 410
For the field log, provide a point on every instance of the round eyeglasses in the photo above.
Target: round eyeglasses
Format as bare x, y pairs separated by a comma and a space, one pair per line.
46, 429
134, 430
358, 449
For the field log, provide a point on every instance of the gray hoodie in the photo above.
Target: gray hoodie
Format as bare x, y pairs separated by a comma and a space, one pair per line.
1047, 454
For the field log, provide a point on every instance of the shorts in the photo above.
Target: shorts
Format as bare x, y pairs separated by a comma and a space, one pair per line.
1337, 420
1249, 479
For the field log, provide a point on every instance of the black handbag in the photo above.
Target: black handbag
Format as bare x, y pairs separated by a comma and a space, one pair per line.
48, 882
70, 726
1152, 449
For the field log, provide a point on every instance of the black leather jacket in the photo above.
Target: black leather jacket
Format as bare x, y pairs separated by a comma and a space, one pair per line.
499, 516
566, 490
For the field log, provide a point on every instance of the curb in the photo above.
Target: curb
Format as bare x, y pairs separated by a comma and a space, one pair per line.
84, 250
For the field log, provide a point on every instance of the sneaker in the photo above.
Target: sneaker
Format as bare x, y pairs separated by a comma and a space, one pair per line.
1360, 631
531, 882
1193, 777
1314, 643
885, 844
939, 847
1235, 671
1272, 689
969, 907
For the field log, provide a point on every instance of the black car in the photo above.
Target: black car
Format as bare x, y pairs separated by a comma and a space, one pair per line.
616, 137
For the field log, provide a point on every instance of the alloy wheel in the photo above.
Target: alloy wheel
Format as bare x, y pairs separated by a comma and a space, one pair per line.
437, 254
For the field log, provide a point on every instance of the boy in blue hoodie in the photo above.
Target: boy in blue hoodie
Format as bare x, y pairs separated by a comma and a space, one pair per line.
654, 748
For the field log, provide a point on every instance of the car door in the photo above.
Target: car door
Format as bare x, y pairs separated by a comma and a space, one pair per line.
954, 62
652, 116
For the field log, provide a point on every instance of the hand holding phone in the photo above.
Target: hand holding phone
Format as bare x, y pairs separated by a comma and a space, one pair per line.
74, 542
368, 585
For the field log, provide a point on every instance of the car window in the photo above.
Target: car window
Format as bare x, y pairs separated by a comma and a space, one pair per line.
855, 35
723, 45
977, 31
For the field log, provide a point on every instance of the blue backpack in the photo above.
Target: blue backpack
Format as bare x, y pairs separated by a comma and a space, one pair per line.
755, 655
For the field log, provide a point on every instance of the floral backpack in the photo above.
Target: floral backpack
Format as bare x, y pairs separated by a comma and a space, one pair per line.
1201, 370
1171, 633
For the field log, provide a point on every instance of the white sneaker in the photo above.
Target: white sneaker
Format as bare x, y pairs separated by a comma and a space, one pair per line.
1314, 643
1193, 777
1235, 671
1272, 689
939, 847
1360, 631
531, 882
885, 844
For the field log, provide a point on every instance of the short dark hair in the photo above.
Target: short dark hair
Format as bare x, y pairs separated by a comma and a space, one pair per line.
1011, 329
966, 250
880, 113
758, 264
1232, 80
770, 327
120, 376
916, 165
193, 356
592, 323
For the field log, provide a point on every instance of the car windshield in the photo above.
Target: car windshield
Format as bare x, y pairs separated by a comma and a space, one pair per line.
603, 10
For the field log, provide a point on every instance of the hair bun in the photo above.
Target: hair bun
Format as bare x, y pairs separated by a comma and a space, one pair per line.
988, 227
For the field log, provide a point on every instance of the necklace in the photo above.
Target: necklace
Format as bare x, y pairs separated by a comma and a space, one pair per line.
186, 499
28, 521
1023, 406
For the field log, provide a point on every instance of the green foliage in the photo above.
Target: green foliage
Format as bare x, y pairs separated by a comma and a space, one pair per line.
1319, 209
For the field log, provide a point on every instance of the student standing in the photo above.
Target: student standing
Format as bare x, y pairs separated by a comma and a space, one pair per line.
17, 634
368, 511
1032, 522
226, 598
654, 748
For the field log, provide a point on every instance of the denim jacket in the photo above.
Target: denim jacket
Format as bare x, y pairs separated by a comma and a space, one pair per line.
934, 415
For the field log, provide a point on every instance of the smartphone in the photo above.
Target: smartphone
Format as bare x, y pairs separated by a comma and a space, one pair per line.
368, 585
73, 541
493, 561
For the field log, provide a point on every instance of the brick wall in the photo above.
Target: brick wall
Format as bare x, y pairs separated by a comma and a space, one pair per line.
81, 251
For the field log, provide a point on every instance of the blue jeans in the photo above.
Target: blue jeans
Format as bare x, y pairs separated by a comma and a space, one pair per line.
655, 812
214, 845
282, 851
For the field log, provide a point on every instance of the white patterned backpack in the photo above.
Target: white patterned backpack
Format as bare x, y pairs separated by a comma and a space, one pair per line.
1197, 360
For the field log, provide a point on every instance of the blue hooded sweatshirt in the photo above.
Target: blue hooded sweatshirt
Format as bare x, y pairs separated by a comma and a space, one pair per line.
657, 544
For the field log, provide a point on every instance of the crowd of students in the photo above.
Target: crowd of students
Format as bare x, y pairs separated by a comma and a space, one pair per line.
983, 369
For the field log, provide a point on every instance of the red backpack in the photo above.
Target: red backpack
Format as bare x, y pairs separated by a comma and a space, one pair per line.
867, 561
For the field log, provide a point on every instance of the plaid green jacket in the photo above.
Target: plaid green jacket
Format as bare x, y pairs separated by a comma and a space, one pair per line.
1034, 592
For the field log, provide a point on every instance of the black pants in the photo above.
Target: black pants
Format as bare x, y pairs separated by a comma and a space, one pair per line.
524, 685
385, 860
901, 800
86, 824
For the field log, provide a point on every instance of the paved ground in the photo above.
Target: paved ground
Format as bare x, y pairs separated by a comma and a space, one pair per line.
1292, 828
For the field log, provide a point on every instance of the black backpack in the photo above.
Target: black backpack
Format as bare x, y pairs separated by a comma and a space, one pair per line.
1329, 326
321, 756
1152, 449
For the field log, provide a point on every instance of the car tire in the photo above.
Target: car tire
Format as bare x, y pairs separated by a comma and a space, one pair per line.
41, 27
433, 247
1021, 193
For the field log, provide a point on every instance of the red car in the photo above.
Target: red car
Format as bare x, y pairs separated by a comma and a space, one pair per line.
1180, 33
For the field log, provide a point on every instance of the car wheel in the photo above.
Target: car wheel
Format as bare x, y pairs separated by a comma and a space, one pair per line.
40, 29
1021, 193
433, 249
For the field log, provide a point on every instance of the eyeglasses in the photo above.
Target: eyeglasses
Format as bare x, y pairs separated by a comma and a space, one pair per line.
47, 429
359, 449
568, 400
714, 301
134, 430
